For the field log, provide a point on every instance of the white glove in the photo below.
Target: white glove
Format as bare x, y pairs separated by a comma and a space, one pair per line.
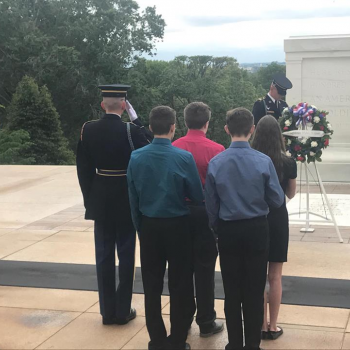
131, 112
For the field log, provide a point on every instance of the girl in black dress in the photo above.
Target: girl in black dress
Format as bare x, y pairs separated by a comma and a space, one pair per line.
268, 139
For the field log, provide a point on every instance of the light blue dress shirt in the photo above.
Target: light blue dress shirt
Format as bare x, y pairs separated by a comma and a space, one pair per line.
241, 183
160, 177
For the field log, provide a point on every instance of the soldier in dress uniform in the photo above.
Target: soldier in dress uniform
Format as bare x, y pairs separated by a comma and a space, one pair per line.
272, 103
103, 156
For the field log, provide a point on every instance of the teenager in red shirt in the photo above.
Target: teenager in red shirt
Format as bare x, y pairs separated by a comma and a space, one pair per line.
197, 116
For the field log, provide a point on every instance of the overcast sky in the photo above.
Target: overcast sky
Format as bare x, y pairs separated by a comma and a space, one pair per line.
249, 30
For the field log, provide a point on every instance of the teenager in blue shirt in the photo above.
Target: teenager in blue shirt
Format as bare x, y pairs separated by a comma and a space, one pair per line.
160, 178
240, 186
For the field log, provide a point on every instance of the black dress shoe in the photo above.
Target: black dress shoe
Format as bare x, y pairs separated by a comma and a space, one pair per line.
265, 335
176, 347
190, 325
211, 329
120, 321
159, 346
229, 347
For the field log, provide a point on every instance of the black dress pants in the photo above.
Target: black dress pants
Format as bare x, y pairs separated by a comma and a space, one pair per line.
204, 257
243, 249
165, 240
109, 234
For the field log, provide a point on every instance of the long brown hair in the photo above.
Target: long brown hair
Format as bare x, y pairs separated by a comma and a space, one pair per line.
268, 139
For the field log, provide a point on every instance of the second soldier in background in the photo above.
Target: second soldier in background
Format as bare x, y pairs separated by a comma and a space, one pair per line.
273, 104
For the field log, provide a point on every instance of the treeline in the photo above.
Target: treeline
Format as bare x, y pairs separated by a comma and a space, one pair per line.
217, 81
54, 54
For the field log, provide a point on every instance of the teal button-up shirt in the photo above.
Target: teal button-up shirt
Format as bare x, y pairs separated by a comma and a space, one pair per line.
160, 177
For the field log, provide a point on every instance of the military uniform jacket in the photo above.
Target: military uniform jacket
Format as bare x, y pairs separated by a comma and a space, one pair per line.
106, 145
266, 106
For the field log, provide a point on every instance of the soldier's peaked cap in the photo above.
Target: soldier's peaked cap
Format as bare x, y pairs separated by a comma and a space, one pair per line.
282, 83
114, 90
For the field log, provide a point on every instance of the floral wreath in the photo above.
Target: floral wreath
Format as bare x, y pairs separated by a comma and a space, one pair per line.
307, 117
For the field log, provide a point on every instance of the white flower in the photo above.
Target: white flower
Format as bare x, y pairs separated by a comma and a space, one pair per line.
288, 154
289, 142
314, 144
317, 119
287, 123
312, 106
329, 126
312, 154
304, 140
285, 110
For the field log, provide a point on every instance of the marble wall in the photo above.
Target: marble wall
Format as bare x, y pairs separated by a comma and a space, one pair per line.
319, 67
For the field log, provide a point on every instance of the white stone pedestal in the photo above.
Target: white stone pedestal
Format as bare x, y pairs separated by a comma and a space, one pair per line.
319, 68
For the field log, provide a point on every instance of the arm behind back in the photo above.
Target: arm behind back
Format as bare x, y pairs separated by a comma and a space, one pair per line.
193, 182
133, 198
212, 200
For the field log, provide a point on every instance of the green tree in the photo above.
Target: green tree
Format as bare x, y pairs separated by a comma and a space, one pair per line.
217, 81
146, 78
32, 110
71, 47
14, 146
263, 77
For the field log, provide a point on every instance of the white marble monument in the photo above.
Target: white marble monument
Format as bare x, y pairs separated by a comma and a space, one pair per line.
319, 68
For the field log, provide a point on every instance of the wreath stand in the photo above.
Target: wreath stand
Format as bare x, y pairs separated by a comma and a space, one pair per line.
307, 220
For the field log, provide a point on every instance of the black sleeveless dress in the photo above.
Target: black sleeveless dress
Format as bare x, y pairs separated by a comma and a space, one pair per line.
278, 218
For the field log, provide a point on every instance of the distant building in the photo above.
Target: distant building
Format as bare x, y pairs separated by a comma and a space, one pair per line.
253, 67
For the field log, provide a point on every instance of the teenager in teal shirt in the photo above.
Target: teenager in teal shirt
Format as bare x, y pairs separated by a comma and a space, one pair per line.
160, 178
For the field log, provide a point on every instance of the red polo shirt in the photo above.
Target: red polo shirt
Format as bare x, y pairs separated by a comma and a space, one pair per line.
202, 149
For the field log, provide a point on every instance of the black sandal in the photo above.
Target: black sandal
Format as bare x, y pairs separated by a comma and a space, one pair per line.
273, 335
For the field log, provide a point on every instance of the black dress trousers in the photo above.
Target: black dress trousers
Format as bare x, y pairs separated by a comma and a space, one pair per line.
162, 241
110, 234
243, 249
204, 257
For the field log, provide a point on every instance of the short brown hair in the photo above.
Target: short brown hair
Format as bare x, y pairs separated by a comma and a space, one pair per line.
239, 121
197, 114
161, 119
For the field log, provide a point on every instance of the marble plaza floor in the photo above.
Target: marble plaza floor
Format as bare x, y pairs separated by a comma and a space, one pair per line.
41, 220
